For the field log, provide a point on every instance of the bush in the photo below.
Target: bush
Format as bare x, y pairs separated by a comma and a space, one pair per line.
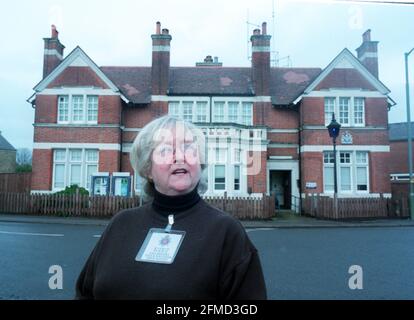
23, 168
72, 190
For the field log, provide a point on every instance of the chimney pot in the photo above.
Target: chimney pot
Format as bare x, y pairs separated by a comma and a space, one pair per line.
165, 31
366, 36
215, 59
55, 33
256, 31
264, 28
158, 28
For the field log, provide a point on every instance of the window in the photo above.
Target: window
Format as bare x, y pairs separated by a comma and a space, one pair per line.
233, 111
348, 111
362, 171
329, 109
188, 110
352, 171
77, 108
345, 171
344, 111
247, 113
74, 166
236, 155
59, 168
221, 155
173, 109
236, 177
359, 114
218, 112
92, 108
63, 109
328, 171
219, 177
91, 166
201, 111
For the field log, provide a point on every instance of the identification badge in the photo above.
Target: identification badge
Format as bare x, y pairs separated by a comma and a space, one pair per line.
160, 246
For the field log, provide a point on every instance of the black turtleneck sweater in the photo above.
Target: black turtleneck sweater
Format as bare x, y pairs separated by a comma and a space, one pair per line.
167, 205
216, 259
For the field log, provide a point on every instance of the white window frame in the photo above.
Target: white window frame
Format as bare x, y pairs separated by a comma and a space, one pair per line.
354, 111
344, 108
222, 115
68, 163
353, 165
214, 175
337, 109
85, 99
176, 107
67, 109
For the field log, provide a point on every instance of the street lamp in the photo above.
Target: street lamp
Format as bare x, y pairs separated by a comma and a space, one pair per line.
333, 129
410, 162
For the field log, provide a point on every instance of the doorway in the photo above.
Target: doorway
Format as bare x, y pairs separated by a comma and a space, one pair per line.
280, 184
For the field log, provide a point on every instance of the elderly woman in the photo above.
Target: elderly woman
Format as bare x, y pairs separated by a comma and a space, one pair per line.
176, 246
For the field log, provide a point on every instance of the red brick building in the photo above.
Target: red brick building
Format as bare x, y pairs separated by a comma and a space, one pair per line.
265, 126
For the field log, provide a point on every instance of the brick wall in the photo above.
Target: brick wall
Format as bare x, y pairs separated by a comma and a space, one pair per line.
312, 171
399, 157
42, 169
359, 137
109, 110
344, 78
77, 135
312, 111
379, 172
376, 112
109, 161
256, 171
280, 118
78, 77
46, 109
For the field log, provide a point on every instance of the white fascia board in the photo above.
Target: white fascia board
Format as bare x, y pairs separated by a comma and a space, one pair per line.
349, 57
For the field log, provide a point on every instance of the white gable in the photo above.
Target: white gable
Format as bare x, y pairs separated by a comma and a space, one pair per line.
76, 58
347, 60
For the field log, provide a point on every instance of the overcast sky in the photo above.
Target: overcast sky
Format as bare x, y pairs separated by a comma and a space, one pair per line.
311, 33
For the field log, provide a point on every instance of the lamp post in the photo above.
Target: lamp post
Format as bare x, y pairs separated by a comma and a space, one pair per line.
333, 129
409, 134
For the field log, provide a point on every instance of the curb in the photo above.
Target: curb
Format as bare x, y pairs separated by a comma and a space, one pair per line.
246, 225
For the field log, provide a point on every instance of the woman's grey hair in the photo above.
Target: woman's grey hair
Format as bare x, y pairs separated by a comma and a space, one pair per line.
150, 137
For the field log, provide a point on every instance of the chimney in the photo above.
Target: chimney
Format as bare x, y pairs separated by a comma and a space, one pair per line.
53, 52
261, 61
209, 62
160, 68
368, 53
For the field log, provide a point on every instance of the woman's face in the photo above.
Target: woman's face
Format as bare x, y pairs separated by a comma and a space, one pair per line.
175, 161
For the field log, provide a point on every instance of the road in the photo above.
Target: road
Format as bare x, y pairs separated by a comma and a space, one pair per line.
308, 263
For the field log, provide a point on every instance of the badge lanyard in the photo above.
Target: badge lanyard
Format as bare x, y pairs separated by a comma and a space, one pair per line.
161, 245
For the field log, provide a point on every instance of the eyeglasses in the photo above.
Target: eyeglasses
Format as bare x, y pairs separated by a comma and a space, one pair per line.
166, 150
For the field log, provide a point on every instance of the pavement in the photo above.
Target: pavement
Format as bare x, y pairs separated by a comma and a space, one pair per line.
283, 220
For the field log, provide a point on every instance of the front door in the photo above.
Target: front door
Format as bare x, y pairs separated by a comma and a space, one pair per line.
280, 185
